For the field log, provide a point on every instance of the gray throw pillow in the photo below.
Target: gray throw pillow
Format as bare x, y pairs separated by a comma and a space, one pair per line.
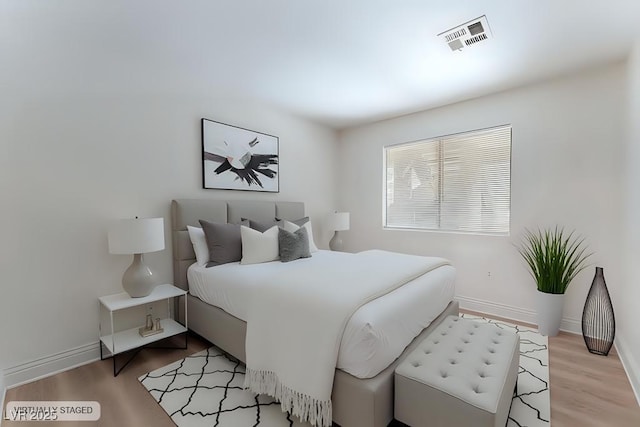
293, 245
258, 225
299, 222
224, 242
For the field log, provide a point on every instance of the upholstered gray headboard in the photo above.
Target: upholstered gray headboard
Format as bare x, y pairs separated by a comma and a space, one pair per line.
189, 211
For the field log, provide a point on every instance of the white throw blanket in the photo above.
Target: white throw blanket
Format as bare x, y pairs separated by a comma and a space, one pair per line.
295, 324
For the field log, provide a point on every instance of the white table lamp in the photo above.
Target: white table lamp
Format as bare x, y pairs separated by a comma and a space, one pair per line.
339, 222
137, 236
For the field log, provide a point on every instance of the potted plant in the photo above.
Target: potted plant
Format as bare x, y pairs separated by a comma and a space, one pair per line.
554, 259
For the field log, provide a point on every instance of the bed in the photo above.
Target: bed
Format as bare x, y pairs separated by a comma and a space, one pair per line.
362, 392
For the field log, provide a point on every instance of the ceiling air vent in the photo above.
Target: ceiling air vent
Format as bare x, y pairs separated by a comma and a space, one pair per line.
468, 34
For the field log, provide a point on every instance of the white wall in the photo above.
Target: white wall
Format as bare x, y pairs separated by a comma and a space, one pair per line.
74, 162
567, 153
628, 334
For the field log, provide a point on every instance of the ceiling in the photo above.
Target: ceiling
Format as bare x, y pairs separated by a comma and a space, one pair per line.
337, 62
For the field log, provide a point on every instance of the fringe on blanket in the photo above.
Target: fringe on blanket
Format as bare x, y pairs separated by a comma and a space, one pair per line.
317, 412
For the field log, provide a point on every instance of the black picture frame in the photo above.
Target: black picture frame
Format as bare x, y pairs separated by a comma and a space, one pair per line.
235, 158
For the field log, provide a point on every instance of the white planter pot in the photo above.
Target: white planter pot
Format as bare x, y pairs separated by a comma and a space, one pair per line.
549, 313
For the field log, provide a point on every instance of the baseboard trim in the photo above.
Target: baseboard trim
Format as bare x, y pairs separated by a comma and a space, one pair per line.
568, 324
51, 365
630, 366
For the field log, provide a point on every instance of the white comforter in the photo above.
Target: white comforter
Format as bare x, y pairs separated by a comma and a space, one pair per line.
295, 325
375, 335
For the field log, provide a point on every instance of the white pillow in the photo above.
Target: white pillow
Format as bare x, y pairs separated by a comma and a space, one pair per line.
199, 242
292, 228
259, 247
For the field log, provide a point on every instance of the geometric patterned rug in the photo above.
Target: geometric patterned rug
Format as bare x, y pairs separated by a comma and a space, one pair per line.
205, 389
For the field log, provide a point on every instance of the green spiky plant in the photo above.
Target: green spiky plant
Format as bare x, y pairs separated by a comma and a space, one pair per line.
554, 258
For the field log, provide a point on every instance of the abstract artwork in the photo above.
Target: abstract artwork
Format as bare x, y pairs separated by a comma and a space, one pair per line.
234, 158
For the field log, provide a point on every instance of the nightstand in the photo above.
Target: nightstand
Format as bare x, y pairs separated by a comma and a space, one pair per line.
117, 342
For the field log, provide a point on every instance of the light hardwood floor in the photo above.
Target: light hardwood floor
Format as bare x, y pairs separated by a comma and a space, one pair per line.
586, 390
124, 401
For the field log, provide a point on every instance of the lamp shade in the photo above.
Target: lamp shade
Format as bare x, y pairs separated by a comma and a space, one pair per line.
340, 221
136, 236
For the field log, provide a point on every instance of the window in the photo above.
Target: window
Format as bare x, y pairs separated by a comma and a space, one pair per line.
459, 183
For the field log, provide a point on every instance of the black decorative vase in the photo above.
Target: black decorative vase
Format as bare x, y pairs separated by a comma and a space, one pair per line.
598, 321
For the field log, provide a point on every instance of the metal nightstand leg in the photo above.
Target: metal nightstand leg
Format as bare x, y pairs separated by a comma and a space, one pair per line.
113, 356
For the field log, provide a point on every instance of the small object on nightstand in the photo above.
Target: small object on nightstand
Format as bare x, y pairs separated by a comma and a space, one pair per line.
150, 327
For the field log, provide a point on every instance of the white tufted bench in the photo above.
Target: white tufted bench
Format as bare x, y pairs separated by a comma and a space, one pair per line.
463, 374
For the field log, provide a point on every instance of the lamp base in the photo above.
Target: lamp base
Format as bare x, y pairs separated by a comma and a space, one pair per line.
138, 280
336, 242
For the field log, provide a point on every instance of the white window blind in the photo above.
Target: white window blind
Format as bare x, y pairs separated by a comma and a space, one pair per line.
456, 183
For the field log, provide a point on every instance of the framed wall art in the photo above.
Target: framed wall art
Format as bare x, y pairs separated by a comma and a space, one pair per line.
234, 158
